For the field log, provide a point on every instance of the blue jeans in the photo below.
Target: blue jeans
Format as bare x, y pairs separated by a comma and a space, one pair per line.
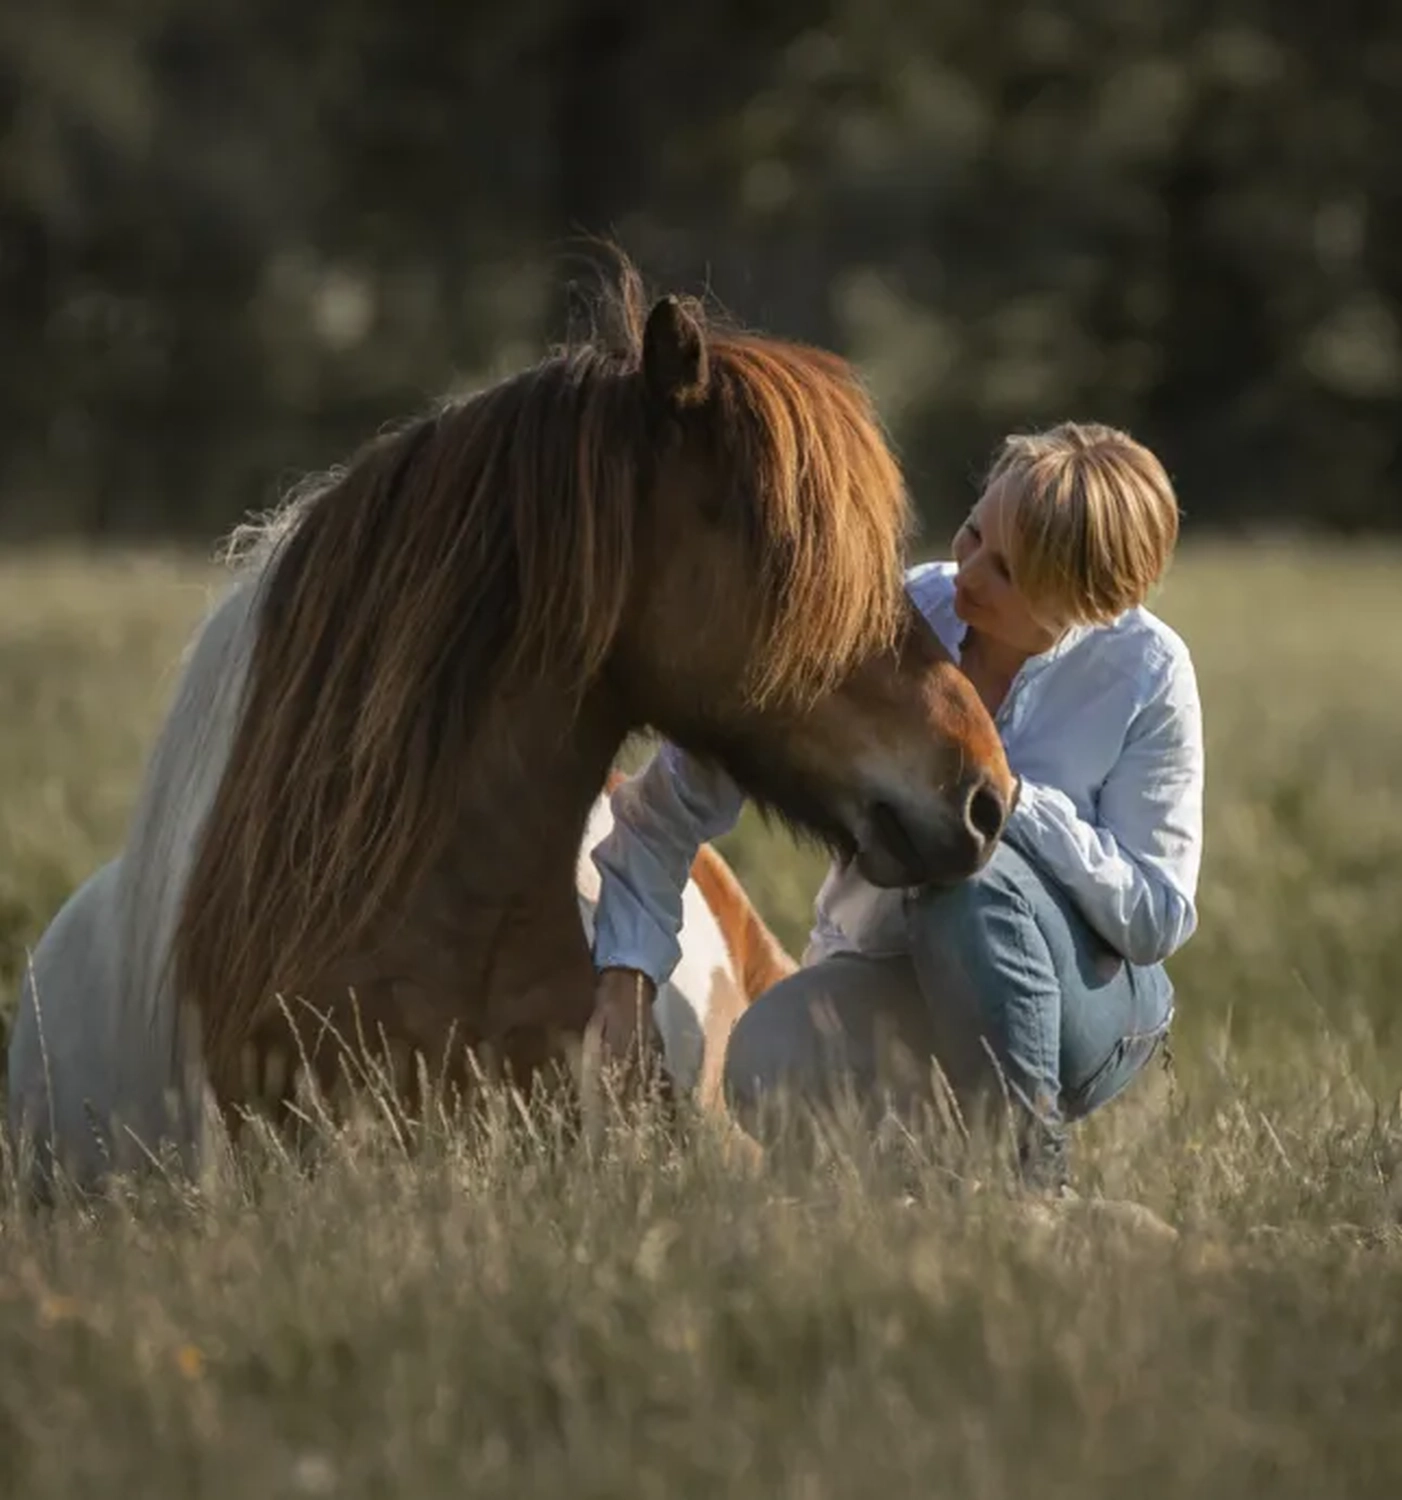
1009, 967
1006, 985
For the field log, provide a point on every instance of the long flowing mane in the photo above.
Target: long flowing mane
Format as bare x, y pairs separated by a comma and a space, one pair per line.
457, 558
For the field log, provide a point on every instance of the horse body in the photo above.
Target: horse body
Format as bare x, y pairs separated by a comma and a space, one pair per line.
483, 952
364, 812
64, 1089
461, 958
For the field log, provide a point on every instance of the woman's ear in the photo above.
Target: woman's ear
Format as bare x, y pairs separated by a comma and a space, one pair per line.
675, 368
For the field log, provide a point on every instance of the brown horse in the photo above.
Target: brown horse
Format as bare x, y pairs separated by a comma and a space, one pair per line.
373, 782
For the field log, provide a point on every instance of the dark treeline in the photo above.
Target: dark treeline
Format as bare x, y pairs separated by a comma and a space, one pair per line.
235, 238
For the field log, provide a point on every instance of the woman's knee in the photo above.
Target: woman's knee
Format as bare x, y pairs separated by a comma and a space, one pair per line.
985, 966
840, 1027
758, 1053
946, 920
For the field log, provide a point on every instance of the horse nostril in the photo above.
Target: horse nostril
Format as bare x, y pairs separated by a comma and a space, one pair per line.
984, 811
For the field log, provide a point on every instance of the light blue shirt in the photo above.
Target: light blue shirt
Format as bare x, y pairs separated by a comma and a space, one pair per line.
1105, 729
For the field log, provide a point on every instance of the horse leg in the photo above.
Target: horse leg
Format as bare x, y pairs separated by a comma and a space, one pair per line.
305, 1063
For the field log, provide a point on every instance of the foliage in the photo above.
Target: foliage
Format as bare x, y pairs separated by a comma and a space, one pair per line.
234, 239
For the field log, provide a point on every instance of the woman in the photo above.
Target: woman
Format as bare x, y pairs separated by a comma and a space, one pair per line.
1043, 975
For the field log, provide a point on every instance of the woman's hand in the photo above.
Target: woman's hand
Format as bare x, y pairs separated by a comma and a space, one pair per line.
621, 1033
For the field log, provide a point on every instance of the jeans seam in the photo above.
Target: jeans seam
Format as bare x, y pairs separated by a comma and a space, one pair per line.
1116, 1054
1026, 915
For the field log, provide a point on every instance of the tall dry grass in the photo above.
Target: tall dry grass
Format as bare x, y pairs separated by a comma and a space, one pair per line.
514, 1311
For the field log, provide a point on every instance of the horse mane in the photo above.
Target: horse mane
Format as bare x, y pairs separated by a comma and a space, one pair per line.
459, 557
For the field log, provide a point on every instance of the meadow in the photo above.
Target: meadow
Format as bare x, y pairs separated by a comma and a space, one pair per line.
517, 1312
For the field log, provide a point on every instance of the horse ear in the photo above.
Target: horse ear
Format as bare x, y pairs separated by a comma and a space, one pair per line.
674, 356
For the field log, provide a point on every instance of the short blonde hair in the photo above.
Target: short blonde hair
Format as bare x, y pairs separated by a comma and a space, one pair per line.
1093, 520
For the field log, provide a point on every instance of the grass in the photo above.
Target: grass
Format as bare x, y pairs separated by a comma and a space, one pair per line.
515, 1313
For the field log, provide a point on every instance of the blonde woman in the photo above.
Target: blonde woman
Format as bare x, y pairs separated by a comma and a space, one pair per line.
1041, 979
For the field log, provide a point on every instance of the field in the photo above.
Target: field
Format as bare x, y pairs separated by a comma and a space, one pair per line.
514, 1314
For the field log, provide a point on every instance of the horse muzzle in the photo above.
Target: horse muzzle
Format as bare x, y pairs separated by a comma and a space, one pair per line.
898, 846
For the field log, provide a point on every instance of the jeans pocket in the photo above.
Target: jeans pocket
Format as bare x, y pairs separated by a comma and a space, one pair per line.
1127, 1058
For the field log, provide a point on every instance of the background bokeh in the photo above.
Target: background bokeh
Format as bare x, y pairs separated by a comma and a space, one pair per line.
235, 238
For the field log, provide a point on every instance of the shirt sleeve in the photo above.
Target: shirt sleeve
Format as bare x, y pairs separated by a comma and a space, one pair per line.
661, 816
1133, 872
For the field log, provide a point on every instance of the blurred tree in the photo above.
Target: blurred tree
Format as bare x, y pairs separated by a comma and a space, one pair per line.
235, 238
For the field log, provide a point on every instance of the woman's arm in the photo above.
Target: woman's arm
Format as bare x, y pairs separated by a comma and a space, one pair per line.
661, 816
1134, 871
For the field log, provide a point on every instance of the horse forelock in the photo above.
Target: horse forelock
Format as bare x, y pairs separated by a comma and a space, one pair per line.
829, 508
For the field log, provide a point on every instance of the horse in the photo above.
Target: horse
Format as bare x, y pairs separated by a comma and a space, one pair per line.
367, 798
729, 957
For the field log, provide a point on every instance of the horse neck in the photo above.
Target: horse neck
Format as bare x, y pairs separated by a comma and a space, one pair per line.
500, 908
535, 771
504, 886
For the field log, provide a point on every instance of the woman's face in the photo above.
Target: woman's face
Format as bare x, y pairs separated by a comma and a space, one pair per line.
985, 597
